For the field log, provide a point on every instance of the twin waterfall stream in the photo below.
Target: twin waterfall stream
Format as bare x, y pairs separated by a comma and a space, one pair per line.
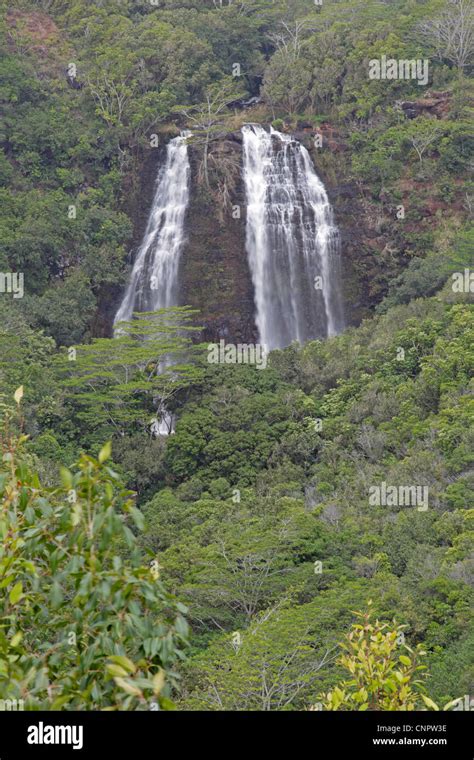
153, 282
291, 240
292, 243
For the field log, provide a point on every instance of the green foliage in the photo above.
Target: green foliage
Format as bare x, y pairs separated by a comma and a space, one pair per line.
424, 276
384, 673
113, 382
84, 623
256, 510
386, 415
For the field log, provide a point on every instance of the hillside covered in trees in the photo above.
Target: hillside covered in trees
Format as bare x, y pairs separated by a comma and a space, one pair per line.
221, 567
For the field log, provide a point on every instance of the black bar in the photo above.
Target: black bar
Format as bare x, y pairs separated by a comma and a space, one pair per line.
374, 734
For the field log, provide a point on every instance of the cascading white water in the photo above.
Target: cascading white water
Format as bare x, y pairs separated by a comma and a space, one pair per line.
153, 282
291, 241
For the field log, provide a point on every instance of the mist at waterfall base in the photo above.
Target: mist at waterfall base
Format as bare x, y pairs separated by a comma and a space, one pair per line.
153, 282
291, 241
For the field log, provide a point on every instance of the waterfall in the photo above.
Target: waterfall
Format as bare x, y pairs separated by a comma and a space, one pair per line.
153, 282
292, 242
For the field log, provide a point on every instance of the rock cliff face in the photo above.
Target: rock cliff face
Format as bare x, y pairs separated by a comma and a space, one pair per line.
214, 272
436, 104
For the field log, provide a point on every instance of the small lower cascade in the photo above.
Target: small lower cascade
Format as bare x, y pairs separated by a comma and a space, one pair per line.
292, 242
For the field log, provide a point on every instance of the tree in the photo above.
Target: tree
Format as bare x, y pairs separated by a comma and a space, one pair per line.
207, 121
289, 39
287, 78
236, 574
121, 382
84, 622
421, 133
451, 33
268, 666
384, 671
126, 104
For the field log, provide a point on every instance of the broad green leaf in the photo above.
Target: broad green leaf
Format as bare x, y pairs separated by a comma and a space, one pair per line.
124, 662
16, 593
116, 670
429, 703
105, 452
128, 687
